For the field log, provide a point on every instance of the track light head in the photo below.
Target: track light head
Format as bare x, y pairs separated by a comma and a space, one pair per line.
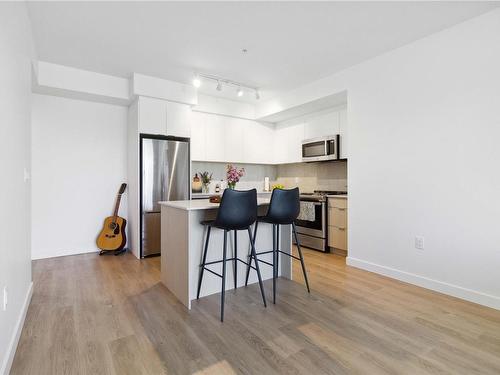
219, 86
197, 81
239, 92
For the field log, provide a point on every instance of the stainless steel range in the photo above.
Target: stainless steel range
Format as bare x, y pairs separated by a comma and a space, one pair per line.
312, 225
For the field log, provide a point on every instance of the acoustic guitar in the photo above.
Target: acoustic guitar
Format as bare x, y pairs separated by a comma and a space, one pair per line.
112, 236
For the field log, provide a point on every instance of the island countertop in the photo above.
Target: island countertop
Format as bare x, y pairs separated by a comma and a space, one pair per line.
202, 204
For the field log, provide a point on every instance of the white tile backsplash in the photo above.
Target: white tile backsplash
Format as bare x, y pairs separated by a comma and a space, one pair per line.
307, 176
314, 176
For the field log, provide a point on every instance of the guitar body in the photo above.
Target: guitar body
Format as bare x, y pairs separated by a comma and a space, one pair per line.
112, 236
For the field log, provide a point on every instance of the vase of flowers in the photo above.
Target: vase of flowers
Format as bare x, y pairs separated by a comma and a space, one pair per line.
233, 175
206, 178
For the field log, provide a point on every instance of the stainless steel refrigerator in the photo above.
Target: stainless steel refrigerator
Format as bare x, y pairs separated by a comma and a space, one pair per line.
164, 176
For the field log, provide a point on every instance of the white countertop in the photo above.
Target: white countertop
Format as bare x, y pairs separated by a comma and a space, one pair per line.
337, 196
208, 195
202, 204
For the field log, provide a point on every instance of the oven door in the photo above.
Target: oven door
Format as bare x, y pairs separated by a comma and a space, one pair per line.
315, 225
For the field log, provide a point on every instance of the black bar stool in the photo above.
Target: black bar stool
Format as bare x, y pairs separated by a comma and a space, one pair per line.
237, 211
283, 210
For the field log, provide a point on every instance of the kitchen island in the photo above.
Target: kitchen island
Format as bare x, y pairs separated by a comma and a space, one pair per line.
182, 241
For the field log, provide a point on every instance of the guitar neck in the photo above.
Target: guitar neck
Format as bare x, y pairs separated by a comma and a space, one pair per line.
117, 205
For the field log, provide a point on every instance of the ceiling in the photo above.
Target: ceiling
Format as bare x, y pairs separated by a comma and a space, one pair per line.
289, 44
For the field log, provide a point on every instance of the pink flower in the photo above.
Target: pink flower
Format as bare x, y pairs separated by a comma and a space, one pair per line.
233, 175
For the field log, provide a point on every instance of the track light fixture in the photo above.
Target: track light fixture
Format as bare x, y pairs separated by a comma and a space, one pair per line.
240, 88
197, 81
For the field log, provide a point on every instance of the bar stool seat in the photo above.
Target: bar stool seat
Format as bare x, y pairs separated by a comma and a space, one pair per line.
237, 211
284, 209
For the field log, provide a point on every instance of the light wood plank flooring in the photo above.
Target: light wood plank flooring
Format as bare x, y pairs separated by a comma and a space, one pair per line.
111, 315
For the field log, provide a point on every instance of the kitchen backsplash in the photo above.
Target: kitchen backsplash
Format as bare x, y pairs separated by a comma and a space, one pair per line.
254, 173
307, 176
314, 176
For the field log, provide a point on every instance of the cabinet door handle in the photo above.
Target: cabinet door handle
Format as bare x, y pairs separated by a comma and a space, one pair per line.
340, 228
340, 209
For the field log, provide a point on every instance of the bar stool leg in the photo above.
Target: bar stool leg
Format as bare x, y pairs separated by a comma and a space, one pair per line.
261, 285
202, 267
274, 262
278, 252
235, 262
223, 293
250, 257
301, 257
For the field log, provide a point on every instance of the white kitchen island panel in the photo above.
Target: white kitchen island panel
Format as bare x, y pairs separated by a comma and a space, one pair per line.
183, 239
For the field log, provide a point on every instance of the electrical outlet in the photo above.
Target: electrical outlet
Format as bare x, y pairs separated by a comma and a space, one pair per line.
419, 242
5, 300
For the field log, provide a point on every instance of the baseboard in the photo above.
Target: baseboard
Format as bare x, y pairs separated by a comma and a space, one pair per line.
11, 351
64, 253
425, 282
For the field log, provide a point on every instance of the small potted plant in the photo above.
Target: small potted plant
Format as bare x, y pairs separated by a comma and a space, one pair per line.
233, 175
206, 178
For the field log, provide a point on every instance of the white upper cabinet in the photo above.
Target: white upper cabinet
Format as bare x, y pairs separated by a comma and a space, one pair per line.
288, 144
158, 116
322, 125
295, 138
280, 145
215, 139
178, 119
234, 136
258, 142
152, 116
198, 136
343, 131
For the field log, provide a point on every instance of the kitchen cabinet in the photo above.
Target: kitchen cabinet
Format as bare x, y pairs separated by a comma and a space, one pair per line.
343, 131
258, 142
160, 117
178, 119
234, 139
152, 116
337, 225
198, 136
288, 144
214, 139
322, 125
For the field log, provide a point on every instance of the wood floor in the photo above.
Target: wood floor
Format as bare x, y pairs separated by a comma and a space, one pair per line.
111, 315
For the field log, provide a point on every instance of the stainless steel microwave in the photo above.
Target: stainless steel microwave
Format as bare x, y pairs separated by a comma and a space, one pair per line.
321, 149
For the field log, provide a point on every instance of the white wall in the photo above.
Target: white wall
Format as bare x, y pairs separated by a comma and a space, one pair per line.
424, 124
16, 52
79, 160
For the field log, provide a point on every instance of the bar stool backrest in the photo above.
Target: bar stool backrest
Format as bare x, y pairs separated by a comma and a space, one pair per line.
238, 209
284, 207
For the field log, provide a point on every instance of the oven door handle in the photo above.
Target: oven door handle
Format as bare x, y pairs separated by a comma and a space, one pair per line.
314, 203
